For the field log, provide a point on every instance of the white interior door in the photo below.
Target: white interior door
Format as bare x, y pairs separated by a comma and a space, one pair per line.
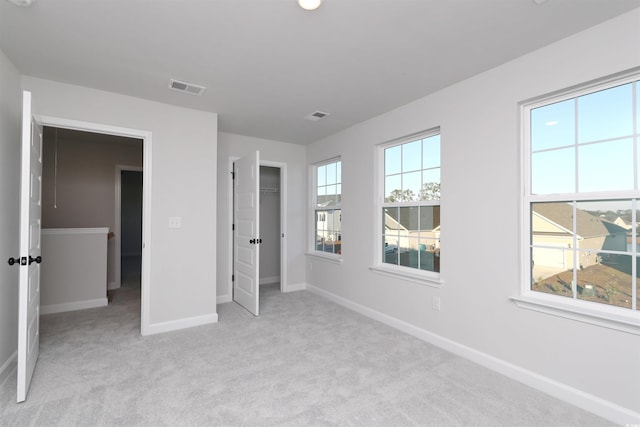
30, 216
246, 248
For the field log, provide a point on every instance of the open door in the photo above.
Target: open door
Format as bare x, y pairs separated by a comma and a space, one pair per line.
30, 223
246, 248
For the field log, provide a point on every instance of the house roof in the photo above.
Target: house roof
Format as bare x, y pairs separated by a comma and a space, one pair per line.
587, 225
267, 64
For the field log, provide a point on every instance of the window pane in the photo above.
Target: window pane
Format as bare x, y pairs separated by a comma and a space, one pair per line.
596, 228
393, 189
321, 196
331, 173
606, 114
390, 250
553, 171
409, 252
606, 166
430, 218
409, 218
339, 172
429, 252
553, 125
411, 156
431, 152
390, 218
608, 282
549, 279
334, 224
551, 237
331, 195
430, 185
392, 160
411, 183
321, 175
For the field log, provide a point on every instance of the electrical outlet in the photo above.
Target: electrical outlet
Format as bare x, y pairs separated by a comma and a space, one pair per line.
435, 303
175, 222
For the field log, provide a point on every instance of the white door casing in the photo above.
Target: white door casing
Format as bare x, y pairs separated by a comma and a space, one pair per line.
246, 249
30, 249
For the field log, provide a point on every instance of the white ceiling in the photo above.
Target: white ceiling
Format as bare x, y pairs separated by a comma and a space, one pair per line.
268, 63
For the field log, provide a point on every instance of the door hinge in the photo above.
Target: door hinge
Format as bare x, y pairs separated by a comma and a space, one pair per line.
233, 175
233, 227
233, 277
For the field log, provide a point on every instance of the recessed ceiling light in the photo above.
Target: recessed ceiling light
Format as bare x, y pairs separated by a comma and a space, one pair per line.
309, 4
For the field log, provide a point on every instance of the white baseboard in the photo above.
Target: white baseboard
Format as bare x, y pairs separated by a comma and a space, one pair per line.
269, 280
113, 285
8, 367
586, 401
72, 306
295, 287
174, 325
221, 299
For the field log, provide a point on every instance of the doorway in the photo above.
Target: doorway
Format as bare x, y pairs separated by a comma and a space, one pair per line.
271, 257
78, 188
145, 137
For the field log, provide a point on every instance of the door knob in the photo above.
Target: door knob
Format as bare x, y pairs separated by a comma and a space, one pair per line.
37, 259
13, 260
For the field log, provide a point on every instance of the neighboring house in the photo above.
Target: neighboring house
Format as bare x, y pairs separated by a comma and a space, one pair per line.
552, 237
622, 223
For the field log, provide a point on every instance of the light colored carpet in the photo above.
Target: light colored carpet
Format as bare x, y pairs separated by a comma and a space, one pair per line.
304, 362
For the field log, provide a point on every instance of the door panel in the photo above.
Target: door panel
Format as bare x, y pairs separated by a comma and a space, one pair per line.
246, 249
30, 249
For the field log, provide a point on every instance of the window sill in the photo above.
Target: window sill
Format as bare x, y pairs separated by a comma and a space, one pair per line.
334, 259
605, 316
418, 277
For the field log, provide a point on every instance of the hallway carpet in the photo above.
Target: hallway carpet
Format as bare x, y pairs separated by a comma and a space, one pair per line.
304, 362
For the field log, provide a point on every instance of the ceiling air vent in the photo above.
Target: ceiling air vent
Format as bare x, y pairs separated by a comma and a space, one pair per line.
316, 115
186, 87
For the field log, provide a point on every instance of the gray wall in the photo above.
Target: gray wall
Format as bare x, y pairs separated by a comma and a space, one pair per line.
479, 120
83, 193
10, 119
269, 225
85, 177
183, 184
231, 145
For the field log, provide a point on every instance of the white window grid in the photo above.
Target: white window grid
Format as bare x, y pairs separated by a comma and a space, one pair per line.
576, 197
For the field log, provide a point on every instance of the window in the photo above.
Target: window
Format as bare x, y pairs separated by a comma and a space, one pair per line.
582, 197
410, 208
327, 200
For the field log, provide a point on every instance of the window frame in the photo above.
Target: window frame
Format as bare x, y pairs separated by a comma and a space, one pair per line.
313, 173
414, 275
605, 315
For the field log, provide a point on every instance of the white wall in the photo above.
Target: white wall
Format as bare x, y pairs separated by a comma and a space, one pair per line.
479, 122
183, 171
10, 119
231, 145
75, 274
